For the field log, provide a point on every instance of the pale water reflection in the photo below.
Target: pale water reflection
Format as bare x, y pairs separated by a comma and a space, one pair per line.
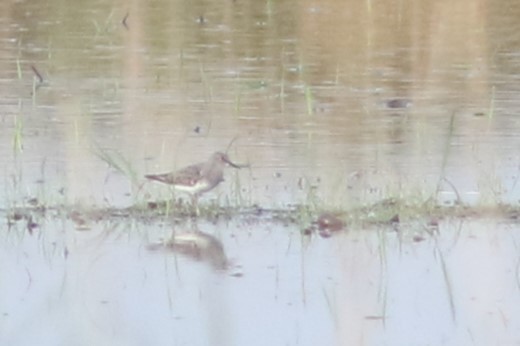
362, 287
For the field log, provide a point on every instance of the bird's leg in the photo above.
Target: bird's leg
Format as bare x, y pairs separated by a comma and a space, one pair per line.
195, 204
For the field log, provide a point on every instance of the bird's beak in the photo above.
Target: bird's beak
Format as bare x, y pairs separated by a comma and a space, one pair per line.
226, 160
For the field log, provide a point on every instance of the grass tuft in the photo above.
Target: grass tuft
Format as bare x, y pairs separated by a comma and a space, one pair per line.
119, 163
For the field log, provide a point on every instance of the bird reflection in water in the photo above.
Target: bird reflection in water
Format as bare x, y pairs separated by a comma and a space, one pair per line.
196, 245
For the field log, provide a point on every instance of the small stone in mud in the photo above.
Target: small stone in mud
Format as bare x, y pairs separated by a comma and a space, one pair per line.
514, 216
395, 219
417, 238
31, 225
81, 222
433, 223
16, 217
307, 231
33, 201
328, 221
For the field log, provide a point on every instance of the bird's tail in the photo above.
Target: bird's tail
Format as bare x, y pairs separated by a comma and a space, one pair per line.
163, 178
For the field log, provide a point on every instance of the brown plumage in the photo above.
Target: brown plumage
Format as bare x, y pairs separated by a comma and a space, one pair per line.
198, 178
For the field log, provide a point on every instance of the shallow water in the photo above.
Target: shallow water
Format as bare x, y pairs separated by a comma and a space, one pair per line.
334, 105
367, 286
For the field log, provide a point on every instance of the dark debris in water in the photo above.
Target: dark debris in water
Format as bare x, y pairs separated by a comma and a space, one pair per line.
388, 212
330, 221
395, 219
418, 238
325, 225
398, 103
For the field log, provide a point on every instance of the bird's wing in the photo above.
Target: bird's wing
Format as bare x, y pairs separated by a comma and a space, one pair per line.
188, 175
185, 176
167, 178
